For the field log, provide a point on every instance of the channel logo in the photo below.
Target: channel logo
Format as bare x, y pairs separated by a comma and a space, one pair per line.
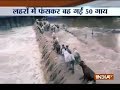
104, 76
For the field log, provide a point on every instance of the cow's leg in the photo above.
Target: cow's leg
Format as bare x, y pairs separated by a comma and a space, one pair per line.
81, 77
53, 46
59, 52
57, 49
72, 64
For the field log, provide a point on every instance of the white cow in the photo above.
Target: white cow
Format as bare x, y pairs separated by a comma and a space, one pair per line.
46, 25
76, 56
53, 27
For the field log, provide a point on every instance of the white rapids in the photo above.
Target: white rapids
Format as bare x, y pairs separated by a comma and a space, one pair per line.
20, 57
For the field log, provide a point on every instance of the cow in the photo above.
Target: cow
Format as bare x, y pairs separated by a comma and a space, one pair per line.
46, 25
57, 47
88, 73
76, 56
53, 28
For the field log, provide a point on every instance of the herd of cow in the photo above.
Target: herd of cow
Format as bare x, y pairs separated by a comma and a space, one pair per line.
44, 25
71, 58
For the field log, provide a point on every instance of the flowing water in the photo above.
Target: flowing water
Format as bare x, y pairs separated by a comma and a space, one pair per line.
108, 40
20, 56
100, 51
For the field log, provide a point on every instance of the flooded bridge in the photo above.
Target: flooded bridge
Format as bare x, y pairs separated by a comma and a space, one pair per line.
21, 57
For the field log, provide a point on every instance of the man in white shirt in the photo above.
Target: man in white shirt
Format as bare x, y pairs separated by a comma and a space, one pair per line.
66, 56
69, 60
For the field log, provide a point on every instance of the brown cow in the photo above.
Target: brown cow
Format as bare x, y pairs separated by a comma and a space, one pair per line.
88, 73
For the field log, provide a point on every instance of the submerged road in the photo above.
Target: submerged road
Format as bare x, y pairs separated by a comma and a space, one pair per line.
20, 57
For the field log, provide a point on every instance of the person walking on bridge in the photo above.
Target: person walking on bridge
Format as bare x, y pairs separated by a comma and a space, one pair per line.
63, 50
69, 60
67, 48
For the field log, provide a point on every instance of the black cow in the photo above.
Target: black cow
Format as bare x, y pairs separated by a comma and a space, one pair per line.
58, 48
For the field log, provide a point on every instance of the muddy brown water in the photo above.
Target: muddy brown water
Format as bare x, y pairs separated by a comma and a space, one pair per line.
100, 51
107, 40
20, 57
15, 52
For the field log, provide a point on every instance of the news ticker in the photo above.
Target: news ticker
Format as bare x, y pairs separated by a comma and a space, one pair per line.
60, 11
